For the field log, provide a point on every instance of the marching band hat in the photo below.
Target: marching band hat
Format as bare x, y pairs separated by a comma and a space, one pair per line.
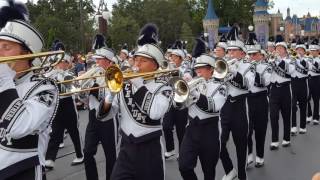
223, 42
280, 41
314, 45
271, 41
301, 44
293, 43
169, 49
233, 40
147, 44
125, 49
16, 28
104, 52
252, 45
199, 52
263, 52
204, 60
177, 49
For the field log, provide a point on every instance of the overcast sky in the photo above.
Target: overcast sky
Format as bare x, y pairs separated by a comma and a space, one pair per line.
299, 7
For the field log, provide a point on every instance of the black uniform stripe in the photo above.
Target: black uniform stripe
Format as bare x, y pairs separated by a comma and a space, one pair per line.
203, 103
7, 97
139, 96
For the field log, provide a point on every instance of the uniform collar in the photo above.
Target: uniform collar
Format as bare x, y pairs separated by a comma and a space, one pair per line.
24, 78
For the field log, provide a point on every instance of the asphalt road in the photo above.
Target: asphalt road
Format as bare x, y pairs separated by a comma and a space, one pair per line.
298, 162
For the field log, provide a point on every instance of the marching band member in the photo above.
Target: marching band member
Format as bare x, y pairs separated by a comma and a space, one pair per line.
97, 130
280, 94
67, 115
258, 101
175, 117
202, 137
314, 81
271, 46
300, 89
123, 58
221, 48
234, 112
28, 101
142, 104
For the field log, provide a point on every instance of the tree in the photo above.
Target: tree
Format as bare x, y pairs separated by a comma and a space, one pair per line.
60, 20
125, 30
186, 35
168, 15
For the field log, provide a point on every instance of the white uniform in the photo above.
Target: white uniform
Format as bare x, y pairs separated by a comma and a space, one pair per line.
300, 70
314, 71
243, 80
142, 110
209, 103
264, 71
282, 75
202, 137
26, 113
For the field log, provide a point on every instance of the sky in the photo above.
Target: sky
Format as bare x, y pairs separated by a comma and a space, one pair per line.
299, 7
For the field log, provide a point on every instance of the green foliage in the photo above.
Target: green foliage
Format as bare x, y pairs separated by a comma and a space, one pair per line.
186, 35
176, 19
60, 20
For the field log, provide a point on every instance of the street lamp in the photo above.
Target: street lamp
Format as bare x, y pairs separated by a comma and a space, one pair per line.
250, 28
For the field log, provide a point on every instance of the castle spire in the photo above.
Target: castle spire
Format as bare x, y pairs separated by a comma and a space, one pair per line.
211, 14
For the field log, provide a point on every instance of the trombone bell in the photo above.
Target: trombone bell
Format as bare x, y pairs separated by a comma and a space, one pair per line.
114, 79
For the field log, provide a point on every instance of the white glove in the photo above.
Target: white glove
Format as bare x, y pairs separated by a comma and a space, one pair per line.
137, 82
195, 95
233, 69
6, 77
109, 96
187, 77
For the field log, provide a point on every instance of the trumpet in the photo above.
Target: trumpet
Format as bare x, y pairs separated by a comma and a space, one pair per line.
114, 79
273, 57
221, 68
293, 55
180, 88
47, 60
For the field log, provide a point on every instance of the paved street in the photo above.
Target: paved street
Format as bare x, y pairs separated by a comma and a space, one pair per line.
298, 162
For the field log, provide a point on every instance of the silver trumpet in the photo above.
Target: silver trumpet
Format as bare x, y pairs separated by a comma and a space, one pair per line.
221, 68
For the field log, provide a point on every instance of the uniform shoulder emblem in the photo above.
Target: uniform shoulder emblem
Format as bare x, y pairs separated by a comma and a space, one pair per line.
269, 69
167, 93
45, 97
223, 91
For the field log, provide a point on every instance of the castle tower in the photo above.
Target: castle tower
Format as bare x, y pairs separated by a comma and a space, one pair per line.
211, 25
276, 21
288, 26
261, 21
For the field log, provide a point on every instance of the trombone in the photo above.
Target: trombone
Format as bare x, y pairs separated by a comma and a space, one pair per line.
114, 79
57, 56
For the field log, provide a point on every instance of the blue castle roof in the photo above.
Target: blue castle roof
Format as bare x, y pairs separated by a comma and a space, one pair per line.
261, 3
211, 14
